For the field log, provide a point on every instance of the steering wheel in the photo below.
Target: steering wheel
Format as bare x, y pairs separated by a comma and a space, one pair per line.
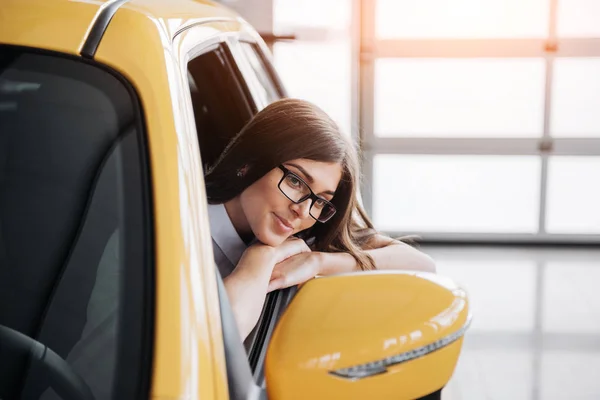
65, 382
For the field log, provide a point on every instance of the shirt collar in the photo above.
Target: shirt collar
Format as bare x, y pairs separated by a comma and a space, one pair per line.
224, 234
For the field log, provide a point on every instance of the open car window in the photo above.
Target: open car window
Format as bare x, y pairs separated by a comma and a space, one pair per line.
229, 82
75, 253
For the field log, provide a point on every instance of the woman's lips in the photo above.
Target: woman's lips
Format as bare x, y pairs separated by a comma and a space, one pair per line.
284, 225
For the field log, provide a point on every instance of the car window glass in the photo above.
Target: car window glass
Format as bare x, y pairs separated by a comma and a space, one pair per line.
220, 101
68, 205
257, 74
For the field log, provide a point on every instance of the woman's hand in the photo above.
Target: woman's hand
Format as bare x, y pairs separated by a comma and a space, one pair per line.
259, 257
295, 270
247, 285
291, 247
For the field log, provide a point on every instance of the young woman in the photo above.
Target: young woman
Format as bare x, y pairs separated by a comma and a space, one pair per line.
283, 209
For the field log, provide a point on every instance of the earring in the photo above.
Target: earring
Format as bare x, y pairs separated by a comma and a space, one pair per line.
241, 172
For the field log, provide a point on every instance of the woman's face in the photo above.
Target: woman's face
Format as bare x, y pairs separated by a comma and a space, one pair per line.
271, 216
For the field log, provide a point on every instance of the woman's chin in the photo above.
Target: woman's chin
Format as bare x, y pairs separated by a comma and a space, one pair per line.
271, 238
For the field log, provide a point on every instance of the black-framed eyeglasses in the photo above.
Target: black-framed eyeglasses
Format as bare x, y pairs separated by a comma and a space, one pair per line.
298, 191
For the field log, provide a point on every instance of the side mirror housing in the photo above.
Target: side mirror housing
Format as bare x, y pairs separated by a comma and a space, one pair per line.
384, 335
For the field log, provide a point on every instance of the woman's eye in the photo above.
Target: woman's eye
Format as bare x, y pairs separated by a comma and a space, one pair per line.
320, 203
294, 181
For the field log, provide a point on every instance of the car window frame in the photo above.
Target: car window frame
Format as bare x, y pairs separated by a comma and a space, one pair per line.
262, 53
146, 320
276, 301
265, 56
251, 79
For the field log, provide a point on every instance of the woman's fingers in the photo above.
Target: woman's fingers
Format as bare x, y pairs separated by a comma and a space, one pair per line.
290, 247
295, 270
276, 284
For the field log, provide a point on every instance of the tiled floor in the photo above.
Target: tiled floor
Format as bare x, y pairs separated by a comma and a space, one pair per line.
536, 328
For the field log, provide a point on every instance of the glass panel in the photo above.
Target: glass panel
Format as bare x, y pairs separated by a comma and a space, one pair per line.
573, 195
420, 193
318, 69
318, 72
576, 98
578, 18
486, 280
459, 97
461, 18
570, 301
325, 14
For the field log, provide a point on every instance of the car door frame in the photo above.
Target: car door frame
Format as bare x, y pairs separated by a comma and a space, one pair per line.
207, 41
277, 301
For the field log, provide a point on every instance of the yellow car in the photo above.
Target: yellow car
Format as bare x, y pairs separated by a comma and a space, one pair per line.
108, 110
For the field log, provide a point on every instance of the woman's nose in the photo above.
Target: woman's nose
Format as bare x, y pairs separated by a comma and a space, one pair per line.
302, 209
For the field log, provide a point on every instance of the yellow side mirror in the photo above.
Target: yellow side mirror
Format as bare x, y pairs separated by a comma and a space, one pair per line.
384, 335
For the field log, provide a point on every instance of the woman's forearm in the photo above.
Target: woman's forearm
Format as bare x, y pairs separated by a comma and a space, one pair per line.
246, 288
248, 284
402, 256
395, 256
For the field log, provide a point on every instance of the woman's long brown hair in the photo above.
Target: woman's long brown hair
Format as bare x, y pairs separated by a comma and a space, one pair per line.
289, 129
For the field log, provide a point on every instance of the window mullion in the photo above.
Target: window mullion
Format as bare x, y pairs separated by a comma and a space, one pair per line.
547, 111
366, 97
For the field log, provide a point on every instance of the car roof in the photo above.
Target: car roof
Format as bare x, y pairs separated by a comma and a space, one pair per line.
65, 25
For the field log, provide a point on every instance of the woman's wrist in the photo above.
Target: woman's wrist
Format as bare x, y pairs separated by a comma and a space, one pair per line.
336, 263
257, 260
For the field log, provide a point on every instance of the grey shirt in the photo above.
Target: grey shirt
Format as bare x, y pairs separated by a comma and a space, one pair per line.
228, 247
